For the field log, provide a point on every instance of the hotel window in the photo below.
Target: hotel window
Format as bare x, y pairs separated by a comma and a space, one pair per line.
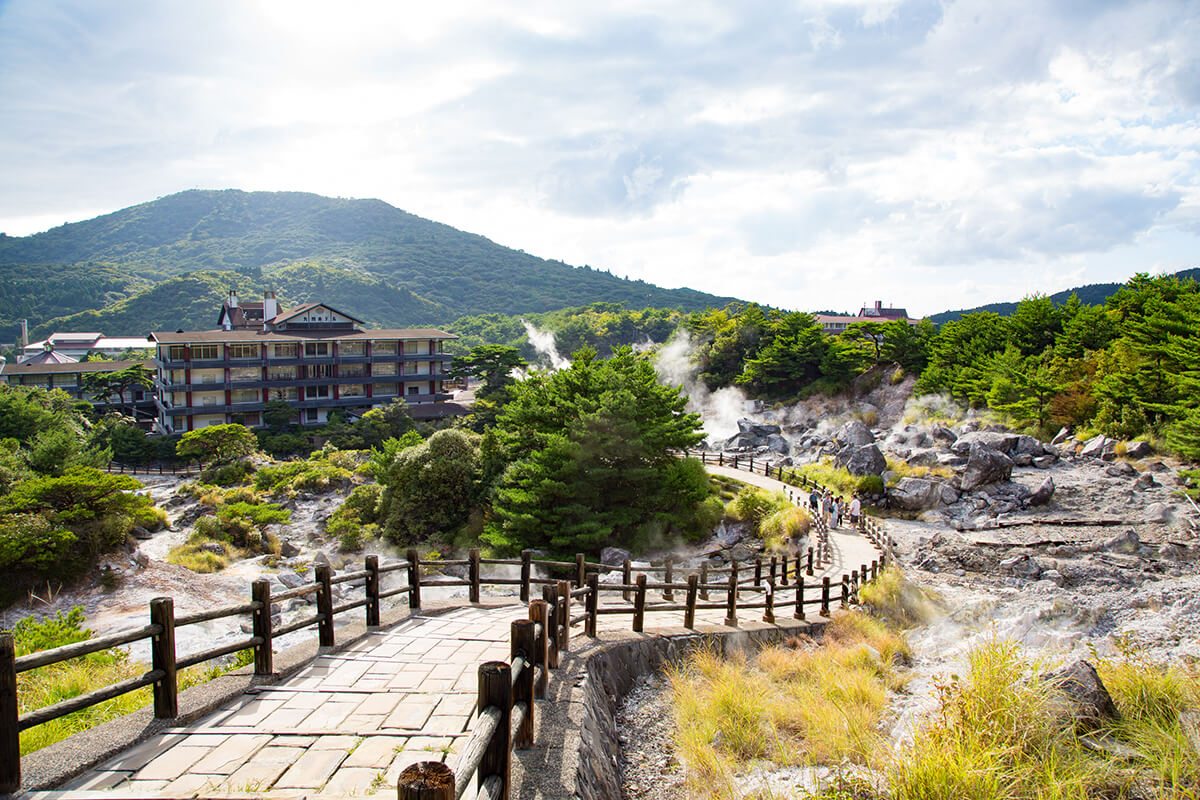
245, 374
383, 369
208, 376
177, 352
206, 352
285, 393
245, 396
384, 349
413, 389
352, 348
384, 389
177, 376
314, 392
352, 371
178, 423
410, 347
319, 371
281, 373
411, 368
352, 390
316, 348
243, 351
285, 351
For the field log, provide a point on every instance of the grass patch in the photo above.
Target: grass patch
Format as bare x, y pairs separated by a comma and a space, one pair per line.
899, 603
47, 685
836, 478
901, 469
199, 554
805, 705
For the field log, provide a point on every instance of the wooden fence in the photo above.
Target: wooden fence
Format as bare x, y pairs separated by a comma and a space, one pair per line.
776, 585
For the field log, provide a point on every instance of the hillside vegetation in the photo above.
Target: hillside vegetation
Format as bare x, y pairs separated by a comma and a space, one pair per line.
389, 266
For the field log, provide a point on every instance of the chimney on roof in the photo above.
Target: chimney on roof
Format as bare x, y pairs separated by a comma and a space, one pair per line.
878, 307
24, 332
232, 298
270, 306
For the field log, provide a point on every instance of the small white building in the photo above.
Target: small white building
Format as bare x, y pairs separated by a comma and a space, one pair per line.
78, 345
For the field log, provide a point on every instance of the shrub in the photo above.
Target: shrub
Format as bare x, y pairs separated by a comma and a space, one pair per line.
782, 525
363, 502
195, 556
892, 598
151, 518
753, 505
836, 479
227, 474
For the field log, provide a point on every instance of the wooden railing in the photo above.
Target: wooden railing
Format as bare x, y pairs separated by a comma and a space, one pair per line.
157, 468
774, 585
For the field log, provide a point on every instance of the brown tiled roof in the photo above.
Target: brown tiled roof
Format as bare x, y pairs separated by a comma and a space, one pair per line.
252, 336
66, 369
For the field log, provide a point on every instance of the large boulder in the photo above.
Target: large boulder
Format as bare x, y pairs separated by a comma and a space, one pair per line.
854, 433
1095, 447
1029, 445
614, 556
992, 440
984, 466
1083, 698
1138, 449
863, 460
777, 444
915, 494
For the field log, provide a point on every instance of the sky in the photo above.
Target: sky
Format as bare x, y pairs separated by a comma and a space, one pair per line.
810, 155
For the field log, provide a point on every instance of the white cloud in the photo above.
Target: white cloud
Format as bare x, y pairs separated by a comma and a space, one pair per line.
803, 155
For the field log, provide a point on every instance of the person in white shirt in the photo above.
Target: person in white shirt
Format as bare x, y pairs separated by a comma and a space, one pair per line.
855, 511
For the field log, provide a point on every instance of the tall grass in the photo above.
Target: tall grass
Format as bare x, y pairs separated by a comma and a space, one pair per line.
835, 478
896, 601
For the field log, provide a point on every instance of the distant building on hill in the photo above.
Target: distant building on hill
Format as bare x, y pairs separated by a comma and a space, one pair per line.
313, 356
79, 345
53, 372
838, 323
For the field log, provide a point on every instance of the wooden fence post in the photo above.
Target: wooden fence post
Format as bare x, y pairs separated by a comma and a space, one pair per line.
526, 570
668, 576
496, 689
731, 597
639, 604
325, 605
550, 598
10, 737
771, 573
425, 780
564, 614
799, 612
260, 620
371, 564
539, 613
162, 656
704, 580
626, 578
414, 579
825, 596
523, 645
845, 590
593, 604
874, 569
689, 614
580, 571
758, 570
809, 570
862, 576
769, 611
783, 560
473, 574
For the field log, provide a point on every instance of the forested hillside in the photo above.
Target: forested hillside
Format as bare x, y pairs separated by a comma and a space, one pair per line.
1093, 294
391, 267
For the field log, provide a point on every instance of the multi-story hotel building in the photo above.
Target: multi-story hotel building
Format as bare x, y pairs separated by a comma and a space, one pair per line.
315, 357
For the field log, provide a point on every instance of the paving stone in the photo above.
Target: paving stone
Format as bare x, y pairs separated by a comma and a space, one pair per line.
139, 756
376, 752
344, 743
259, 774
98, 780
311, 770
440, 723
226, 757
410, 715
194, 783
355, 781
171, 764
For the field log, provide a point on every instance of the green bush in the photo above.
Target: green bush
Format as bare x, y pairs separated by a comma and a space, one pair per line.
227, 474
781, 525
753, 505
363, 502
151, 518
31, 543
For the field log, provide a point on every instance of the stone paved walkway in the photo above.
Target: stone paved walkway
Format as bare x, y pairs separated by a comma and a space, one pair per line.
348, 722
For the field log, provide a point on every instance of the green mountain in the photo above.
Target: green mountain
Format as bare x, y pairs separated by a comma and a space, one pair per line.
168, 263
1093, 294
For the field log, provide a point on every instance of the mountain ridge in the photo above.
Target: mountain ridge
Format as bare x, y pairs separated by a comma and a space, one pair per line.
361, 245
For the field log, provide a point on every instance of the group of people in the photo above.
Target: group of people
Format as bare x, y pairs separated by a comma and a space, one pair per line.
834, 509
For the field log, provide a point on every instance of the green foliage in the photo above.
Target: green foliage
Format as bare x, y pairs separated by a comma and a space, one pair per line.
227, 474
373, 428
217, 443
278, 414
31, 634
30, 542
429, 488
588, 455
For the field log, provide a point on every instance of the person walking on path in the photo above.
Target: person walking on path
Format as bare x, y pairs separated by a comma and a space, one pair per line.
835, 512
814, 500
826, 508
855, 511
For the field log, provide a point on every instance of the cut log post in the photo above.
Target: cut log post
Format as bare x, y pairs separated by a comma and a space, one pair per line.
731, 596
704, 580
523, 646
539, 613
425, 780
473, 574
845, 590
769, 611
324, 577
668, 576
372, 591
639, 604
580, 571
758, 571
809, 569
162, 657
414, 579
626, 575
593, 604
526, 573
260, 620
799, 612
825, 596
564, 614
496, 689
550, 597
689, 614
10, 735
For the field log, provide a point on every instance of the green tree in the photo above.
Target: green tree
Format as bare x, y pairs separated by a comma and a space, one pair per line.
589, 454
1024, 386
217, 444
55, 450
430, 488
278, 414
493, 364
106, 385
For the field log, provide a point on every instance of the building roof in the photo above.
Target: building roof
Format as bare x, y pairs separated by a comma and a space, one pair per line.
284, 316
68, 368
48, 355
256, 336
89, 341
243, 315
